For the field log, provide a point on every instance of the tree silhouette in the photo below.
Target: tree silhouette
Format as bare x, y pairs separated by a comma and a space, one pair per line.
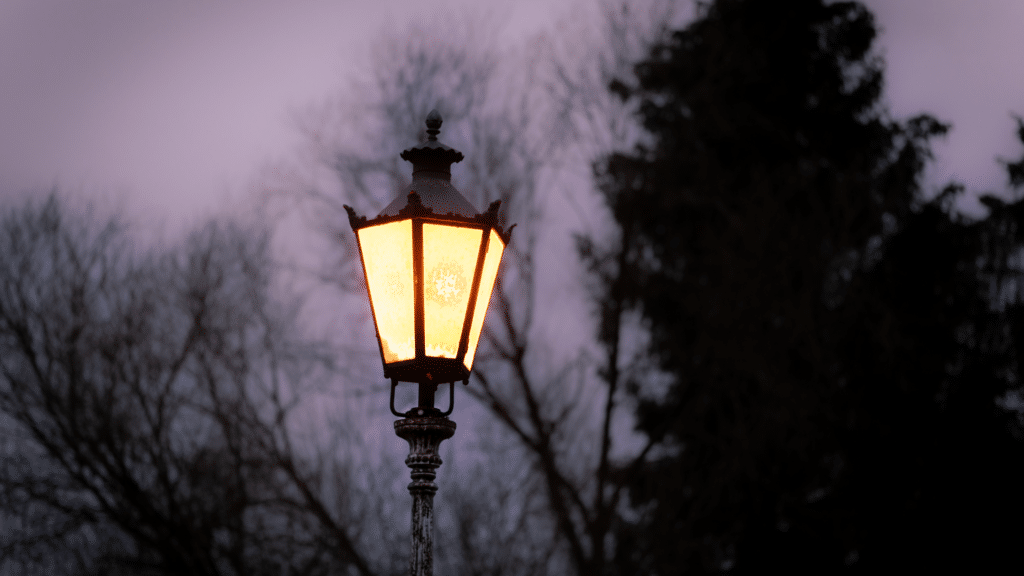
146, 398
831, 336
932, 442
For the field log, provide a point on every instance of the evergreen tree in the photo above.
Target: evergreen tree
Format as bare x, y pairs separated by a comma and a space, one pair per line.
835, 349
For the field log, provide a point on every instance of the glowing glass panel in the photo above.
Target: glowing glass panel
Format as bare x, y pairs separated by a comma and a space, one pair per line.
449, 262
495, 247
387, 259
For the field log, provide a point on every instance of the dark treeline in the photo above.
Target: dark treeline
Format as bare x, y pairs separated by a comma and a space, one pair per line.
843, 345
829, 381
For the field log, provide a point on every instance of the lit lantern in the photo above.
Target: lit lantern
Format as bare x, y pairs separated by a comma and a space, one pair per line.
430, 262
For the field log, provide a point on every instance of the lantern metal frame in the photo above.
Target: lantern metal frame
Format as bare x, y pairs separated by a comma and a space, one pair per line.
423, 369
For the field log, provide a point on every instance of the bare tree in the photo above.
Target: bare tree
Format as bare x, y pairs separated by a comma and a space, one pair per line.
147, 400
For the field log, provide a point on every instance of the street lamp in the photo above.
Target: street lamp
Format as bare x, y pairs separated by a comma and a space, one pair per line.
430, 261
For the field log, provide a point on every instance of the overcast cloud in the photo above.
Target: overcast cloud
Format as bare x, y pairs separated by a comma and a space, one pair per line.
172, 107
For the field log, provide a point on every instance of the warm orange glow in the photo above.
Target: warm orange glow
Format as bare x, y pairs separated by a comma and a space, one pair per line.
490, 272
387, 259
449, 262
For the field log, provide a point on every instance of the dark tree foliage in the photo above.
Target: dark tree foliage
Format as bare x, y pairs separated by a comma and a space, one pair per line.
932, 439
842, 352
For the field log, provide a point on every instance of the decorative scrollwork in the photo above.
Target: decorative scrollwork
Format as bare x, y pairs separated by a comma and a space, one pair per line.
354, 220
414, 207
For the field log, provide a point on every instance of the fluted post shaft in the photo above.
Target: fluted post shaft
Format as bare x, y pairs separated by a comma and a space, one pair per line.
424, 433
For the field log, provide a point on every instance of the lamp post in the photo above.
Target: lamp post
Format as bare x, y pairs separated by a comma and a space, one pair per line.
430, 262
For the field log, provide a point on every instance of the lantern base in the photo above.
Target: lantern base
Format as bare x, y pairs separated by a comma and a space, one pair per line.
427, 371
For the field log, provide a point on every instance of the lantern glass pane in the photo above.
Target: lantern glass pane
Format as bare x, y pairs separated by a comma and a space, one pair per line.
490, 272
449, 262
387, 260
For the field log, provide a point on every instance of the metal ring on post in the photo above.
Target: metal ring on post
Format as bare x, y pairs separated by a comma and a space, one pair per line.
394, 384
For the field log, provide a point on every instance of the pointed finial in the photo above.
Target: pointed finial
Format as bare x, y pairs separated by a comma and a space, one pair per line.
433, 124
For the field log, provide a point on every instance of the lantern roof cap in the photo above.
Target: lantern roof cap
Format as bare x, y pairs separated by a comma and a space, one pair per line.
432, 175
431, 192
432, 154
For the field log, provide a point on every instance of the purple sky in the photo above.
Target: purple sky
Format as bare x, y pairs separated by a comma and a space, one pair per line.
172, 107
